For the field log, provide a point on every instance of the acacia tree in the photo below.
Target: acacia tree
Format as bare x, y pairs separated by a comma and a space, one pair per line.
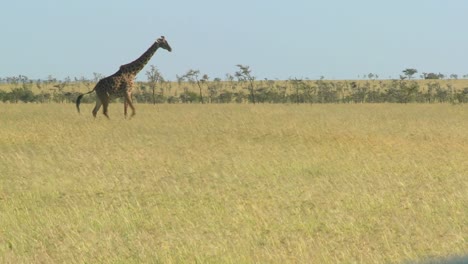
410, 72
204, 80
154, 76
192, 76
298, 85
180, 80
243, 75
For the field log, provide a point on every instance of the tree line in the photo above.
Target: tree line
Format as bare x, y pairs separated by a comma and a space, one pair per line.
243, 87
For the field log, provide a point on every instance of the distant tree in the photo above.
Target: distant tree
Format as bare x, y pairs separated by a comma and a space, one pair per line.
11, 80
409, 91
431, 76
409, 72
153, 76
192, 76
60, 96
39, 86
212, 89
26, 82
372, 76
298, 85
85, 82
230, 79
454, 76
67, 79
51, 79
244, 75
97, 77
61, 85
180, 80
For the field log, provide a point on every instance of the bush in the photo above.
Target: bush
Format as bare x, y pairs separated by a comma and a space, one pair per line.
190, 97
225, 97
173, 99
21, 94
3, 96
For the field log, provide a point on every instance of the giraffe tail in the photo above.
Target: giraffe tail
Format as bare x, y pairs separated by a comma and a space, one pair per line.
78, 100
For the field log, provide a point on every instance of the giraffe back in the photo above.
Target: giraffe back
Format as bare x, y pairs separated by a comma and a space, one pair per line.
115, 85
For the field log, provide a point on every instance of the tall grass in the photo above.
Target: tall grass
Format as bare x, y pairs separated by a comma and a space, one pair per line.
233, 183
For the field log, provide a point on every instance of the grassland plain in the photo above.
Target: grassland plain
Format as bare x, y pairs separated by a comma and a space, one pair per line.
233, 183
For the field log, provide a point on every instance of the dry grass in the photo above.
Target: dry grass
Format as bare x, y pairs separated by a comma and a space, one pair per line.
233, 184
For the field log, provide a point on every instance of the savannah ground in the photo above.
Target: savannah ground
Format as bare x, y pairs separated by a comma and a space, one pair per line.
236, 183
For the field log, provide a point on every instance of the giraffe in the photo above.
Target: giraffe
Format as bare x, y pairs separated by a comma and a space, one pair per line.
120, 84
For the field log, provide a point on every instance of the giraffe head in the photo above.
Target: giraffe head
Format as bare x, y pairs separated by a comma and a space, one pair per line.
163, 44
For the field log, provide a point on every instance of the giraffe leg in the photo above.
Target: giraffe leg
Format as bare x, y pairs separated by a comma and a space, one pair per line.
128, 99
105, 105
103, 99
125, 107
96, 108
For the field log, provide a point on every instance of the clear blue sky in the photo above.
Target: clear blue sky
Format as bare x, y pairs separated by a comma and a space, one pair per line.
338, 39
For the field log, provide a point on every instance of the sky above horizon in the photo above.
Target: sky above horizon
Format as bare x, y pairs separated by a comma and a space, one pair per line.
337, 39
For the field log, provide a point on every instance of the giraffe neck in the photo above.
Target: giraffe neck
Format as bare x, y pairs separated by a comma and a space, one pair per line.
137, 65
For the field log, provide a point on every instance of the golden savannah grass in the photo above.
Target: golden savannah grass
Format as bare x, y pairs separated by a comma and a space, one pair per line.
236, 183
